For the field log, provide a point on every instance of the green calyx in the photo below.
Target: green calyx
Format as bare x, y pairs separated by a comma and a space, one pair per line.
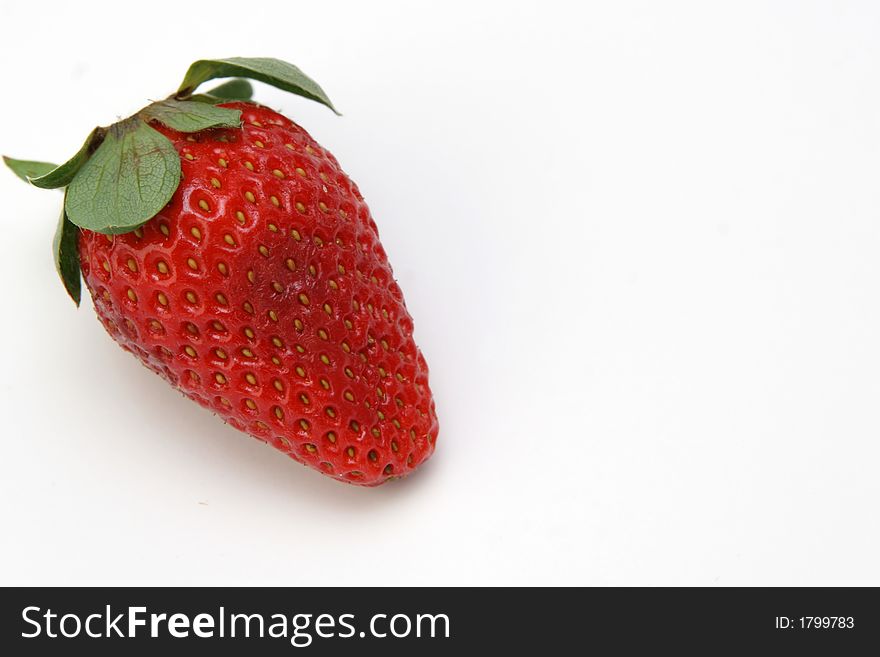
265, 69
126, 173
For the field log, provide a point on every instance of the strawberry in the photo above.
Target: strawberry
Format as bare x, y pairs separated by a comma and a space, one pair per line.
254, 281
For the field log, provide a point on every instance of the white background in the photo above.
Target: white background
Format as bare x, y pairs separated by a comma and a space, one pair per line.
641, 245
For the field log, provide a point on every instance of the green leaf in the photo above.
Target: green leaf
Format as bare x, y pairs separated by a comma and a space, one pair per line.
62, 175
265, 69
67, 256
128, 180
190, 116
235, 89
27, 169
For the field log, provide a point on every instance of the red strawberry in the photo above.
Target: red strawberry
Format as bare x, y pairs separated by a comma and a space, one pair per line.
261, 291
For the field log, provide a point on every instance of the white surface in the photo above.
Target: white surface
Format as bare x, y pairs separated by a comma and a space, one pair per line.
640, 242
